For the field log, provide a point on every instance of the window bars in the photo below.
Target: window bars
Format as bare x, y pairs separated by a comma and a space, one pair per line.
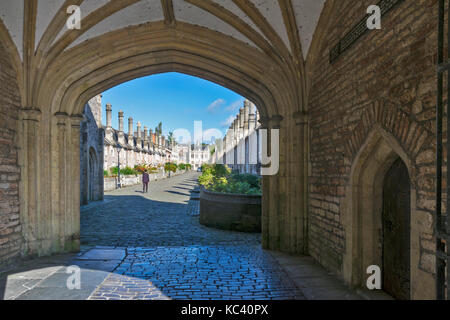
441, 220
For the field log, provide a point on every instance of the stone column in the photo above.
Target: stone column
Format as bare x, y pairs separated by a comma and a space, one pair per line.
72, 236
301, 203
277, 193
30, 123
61, 187
265, 217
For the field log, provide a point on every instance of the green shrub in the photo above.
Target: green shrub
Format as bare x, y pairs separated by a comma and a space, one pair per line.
170, 167
252, 180
206, 179
105, 173
127, 171
218, 178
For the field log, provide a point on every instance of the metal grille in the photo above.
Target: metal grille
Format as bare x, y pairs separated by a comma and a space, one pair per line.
442, 220
359, 30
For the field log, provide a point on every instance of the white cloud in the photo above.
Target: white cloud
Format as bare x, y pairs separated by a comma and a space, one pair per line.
228, 121
213, 107
235, 105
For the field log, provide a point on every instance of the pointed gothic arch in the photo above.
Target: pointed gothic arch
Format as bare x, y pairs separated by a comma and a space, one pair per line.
362, 211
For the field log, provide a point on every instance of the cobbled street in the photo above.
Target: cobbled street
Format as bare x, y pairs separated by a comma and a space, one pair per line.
169, 255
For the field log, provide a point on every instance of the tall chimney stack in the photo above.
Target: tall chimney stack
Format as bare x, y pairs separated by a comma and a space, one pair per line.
246, 116
108, 115
120, 135
138, 135
151, 139
241, 119
130, 127
145, 138
121, 121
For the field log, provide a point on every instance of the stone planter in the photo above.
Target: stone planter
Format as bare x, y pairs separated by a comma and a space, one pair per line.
238, 212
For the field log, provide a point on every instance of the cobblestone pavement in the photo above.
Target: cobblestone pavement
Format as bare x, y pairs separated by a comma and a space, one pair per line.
130, 218
169, 255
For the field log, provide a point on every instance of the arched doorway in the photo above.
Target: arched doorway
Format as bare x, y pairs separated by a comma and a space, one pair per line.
396, 221
381, 219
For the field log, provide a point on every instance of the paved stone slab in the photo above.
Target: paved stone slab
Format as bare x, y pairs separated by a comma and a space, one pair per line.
313, 280
103, 254
15, 287
152, 247
43, 293
108, 266
201, 272
171, 256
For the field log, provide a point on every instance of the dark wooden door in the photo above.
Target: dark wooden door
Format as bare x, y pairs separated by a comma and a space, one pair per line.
396, 231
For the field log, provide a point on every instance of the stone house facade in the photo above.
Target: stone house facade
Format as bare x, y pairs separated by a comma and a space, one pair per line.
101, 147
241, 146
92, 136
136, 147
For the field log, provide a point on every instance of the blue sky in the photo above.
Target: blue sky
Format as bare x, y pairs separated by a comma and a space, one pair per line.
175, 99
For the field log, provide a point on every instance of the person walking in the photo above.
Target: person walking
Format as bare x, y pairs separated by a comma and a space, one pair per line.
145, 180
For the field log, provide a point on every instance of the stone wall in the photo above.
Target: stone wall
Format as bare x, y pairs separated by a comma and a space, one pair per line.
91, 152
385, 80
10, 227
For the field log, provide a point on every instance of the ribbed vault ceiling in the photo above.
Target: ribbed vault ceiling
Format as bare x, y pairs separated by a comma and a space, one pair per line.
264, 17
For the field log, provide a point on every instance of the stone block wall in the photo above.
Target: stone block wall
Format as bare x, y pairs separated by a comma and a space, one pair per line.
386, 79
92, 138
10, 226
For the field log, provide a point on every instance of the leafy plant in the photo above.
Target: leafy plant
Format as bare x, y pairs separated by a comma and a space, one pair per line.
127, 171
218, 178
170, 167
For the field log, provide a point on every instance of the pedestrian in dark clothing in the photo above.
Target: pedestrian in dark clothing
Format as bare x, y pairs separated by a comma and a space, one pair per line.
145, 180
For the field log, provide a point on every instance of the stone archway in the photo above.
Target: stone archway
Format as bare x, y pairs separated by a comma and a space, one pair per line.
59, 70
363, 208
87, 70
